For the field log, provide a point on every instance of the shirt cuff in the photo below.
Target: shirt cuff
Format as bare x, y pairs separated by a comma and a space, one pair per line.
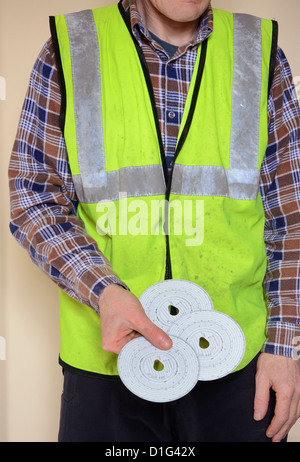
283, 339
91, 285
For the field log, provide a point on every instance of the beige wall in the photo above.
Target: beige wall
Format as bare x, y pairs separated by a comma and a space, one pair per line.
30, 379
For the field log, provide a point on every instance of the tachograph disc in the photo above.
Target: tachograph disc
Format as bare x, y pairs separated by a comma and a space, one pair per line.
216, 338
185, 296
179, 374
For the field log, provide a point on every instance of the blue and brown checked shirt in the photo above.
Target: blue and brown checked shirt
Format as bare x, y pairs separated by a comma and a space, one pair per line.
44, 202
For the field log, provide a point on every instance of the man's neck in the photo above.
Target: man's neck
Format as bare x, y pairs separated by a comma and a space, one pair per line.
175, 33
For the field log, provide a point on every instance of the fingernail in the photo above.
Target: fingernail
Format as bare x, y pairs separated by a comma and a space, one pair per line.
166, 343
257, 415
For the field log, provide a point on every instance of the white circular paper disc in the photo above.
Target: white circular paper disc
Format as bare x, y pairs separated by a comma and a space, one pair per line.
186, 296
178, 377
224, 342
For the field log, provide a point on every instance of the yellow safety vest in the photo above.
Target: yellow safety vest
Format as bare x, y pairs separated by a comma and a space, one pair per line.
205, 221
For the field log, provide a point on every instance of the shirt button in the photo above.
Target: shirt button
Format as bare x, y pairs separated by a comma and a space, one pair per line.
172, 115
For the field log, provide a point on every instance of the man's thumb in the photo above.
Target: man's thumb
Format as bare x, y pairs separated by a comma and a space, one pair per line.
155, 335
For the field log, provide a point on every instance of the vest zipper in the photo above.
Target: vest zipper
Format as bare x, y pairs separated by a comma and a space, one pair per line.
183, 138
167, 175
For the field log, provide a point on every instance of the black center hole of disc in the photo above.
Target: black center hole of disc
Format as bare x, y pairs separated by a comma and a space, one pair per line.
158, 365
203, 343
173, 310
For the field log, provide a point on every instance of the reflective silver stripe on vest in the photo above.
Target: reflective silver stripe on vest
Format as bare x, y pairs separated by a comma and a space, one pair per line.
95, 184
105, 186
241, 181
246, 92
209, 180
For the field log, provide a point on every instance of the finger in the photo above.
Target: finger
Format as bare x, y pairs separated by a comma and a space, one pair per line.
122, 342
281, 418
116, 345
294, 412
262, 397
154, 334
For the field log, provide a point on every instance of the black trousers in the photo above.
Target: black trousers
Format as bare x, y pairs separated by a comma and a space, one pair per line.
103, 410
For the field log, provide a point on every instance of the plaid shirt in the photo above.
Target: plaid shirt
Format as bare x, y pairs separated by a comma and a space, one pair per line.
44, 202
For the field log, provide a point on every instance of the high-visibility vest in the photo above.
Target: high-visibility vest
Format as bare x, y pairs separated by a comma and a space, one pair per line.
204, 222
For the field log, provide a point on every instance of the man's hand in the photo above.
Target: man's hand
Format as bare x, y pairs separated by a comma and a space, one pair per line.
283, 375
123, 319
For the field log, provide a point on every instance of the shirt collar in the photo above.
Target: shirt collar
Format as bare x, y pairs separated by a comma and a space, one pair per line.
138, 26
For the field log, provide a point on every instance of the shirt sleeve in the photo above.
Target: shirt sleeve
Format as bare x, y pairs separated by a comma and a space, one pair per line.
42, 195
280, 191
